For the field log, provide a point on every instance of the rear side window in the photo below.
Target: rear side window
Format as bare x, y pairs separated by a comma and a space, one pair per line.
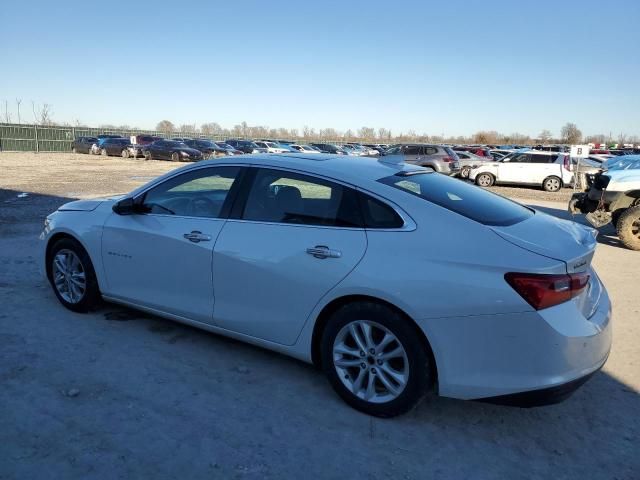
542, 158
287, 197
430, 150
377, 214
467, 200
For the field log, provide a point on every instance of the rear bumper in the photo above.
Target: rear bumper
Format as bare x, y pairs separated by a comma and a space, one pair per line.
541, 397
510, 357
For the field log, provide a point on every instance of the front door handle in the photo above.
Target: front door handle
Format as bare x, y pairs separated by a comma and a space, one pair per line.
322, 251
196, 236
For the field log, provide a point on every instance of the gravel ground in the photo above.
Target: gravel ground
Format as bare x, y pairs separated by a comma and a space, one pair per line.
119, 394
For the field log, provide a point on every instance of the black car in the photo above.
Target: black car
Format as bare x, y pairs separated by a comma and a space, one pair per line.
245, 146
115, 146
171, 150
83, 144
328, 148
207, 147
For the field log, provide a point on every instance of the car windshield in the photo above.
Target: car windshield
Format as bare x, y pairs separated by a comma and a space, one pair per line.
468, 200
175, 143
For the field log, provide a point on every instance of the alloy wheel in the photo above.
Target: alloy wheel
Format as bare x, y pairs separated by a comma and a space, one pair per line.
69, 276
484, 180
552, 185
370, 361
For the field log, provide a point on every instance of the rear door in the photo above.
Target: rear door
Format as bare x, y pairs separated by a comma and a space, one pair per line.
289, 241
543, 166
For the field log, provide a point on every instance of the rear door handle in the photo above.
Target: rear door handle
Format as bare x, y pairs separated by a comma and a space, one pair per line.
196, 236
322, 251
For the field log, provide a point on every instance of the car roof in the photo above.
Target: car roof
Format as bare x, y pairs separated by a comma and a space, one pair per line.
349, 169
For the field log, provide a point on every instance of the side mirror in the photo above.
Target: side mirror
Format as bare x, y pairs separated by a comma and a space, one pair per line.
126, 206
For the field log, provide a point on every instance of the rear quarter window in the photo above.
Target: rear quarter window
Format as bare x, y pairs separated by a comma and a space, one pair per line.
462, 198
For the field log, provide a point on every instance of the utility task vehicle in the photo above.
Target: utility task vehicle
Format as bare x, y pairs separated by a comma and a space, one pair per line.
612, 196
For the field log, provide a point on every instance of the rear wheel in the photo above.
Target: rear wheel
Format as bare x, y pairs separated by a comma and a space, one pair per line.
374, 360
175, 157
464, 173
628, 227
72, 276
552, 184
485, 180
73, 150
147, 155
125, 153
103, 152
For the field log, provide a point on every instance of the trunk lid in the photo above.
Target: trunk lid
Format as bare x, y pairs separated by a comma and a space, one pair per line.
563, 240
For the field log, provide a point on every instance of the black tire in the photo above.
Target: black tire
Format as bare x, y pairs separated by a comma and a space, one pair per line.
552, 184
464, 173
91, 298
628, 228
175, 157
147, 156
104, 152
125, 153
485, 180
420, 376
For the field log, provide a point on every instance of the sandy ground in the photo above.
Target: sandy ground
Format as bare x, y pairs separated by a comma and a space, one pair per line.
118, 394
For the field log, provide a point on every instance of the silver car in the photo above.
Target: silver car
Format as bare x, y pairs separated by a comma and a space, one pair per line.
440, 158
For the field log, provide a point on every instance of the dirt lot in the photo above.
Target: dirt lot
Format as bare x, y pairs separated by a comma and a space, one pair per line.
118, 394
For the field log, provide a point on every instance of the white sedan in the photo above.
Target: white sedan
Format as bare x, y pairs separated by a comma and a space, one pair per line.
363, 268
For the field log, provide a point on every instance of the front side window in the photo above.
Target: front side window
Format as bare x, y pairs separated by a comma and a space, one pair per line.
201, 193
467, 200
285, 197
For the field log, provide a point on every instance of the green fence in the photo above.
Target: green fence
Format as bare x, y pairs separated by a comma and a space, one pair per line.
37, 138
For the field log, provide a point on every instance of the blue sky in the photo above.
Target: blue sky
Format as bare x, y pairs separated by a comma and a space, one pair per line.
449, 67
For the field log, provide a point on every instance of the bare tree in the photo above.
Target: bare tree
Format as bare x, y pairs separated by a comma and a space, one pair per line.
211, 128
366, 133
188, 128
487, 137
570, 134
18, 103
622, 139
165, 126
45, 114
545, 136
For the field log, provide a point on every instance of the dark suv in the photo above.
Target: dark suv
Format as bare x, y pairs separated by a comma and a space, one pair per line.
440, 158
83, 144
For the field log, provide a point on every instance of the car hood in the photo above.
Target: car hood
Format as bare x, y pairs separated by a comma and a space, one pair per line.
87, 205
563, 240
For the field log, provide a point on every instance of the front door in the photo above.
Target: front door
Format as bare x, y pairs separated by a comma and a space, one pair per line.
296, 238
161, 257
513, 170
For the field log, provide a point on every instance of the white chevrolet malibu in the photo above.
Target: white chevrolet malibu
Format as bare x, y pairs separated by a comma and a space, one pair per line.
395, 280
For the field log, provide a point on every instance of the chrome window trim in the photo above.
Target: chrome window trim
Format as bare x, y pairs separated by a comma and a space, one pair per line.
408, 222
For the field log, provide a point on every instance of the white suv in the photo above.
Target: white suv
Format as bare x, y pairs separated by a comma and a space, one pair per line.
551, 170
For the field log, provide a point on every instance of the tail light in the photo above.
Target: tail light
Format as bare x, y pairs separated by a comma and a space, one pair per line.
448, 159
543, 291
566, 161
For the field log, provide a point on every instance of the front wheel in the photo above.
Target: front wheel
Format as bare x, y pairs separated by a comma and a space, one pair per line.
628, 228
464, 173
374, 359
175, 157
552, 184
125, 153
147, 155
103, 152
72, 277
73, 150
485, 180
